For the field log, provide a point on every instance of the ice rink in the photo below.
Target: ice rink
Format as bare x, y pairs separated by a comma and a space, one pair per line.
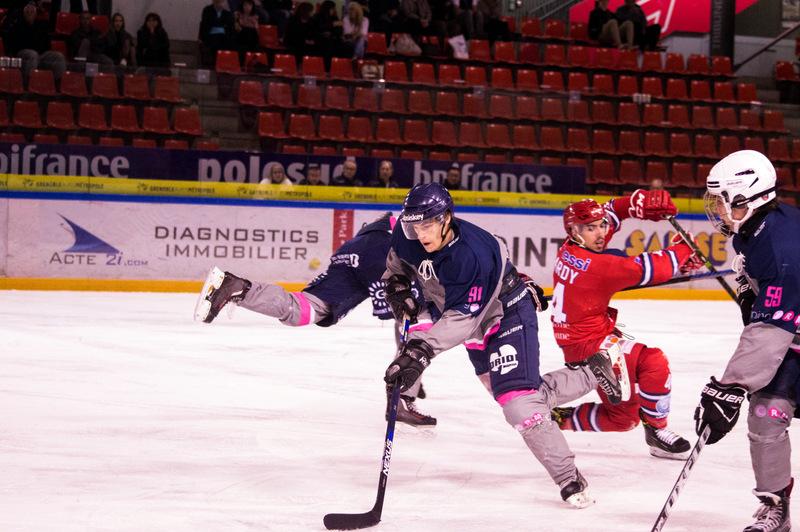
117, 412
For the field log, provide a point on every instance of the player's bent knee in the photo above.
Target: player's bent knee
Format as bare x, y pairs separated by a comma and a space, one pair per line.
527, 412
769, 417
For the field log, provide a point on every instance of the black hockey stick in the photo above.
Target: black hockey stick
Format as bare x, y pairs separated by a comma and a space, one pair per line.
373, 517
676, 489
700, 254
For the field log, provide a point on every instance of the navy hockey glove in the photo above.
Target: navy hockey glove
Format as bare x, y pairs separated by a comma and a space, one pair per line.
401, 299
535, 291
745, 296
407, 368
719, 409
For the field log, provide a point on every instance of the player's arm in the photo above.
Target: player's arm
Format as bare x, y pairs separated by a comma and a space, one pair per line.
650, 268
642, 204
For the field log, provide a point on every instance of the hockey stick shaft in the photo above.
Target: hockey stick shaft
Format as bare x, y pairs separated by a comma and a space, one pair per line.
373, 517
676, 489
700, 254
676, 280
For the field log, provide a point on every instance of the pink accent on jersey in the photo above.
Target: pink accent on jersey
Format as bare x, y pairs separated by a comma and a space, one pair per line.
504, 398
420, 326
392, 222
480, 346
305, 308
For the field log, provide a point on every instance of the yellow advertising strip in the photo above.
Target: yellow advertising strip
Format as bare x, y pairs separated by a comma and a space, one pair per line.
247, 191
147, 285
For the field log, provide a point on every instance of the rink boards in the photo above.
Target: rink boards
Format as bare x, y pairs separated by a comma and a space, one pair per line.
79, 240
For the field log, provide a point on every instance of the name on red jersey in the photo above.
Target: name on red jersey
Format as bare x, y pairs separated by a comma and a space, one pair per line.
565, 264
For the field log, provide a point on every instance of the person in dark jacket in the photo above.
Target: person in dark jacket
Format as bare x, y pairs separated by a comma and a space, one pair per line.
644, 36
607, 30
88, 42
328, 30
385, 176
152, 43
300, 35
119, 43
216, 31
28, 39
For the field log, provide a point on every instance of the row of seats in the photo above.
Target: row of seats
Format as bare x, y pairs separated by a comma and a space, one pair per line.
103, 85
66, 23
502, 106
93, 116
469, 134
135, 142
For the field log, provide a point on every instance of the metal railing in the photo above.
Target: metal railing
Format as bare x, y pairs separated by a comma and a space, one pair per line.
767, 46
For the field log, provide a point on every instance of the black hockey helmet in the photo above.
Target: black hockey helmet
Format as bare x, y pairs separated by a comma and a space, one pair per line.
424, 203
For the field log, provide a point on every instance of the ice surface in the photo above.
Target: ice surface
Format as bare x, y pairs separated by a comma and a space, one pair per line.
117, 412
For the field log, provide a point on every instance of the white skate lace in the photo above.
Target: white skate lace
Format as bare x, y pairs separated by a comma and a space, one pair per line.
426, 270
667, 436
768, 516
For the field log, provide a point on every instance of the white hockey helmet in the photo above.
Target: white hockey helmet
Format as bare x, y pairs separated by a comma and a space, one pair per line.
743, 180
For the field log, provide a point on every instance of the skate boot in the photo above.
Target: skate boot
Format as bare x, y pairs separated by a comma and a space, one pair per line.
773, 514
562, 415
219, 289
407, 412
664, 443
576, 492
611, 375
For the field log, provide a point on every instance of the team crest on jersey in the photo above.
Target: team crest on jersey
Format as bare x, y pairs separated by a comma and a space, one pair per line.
505, 361
346, 259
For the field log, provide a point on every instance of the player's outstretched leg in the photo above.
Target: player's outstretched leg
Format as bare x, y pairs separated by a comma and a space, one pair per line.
773, 514
407, 411
664, 443
219, 289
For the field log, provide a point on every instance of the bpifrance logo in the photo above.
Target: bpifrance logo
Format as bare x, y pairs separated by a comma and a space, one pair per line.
91, 250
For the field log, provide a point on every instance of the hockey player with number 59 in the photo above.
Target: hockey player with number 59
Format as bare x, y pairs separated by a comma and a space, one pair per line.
741, 203
585, 278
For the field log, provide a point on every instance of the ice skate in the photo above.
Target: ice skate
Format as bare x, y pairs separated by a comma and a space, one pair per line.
608, 367
407, 412
664, 443
773, 514
576, 492
219, 289
562, 415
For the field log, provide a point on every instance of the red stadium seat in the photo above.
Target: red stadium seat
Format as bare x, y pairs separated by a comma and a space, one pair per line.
726, 118
79, 140
444, 133
603, 142
749, 120
504, 52
337, 97
602, 172
285, 65
705, 146
682, 175
773, 121
143, 143
676, 89
359, 129
721, 65
680, 145
176, 144
423, 73
393, 101
630, 142
60, 116
554, 54
419, 102
450, 75
41, 82
228, 62
527, 108
502, 78
156, 120
653, 114
341, 68
395, 72
578, 111
628, 114
700, 90
349, 151
746, 92
531, 27
552, 80
331, 128
106, 86
529, 53
673, 64
365, 99
728, 144
11, 81
655, 143
416, 132
376, 44
678, 115
578, 81
525, 137
702, 117
697, 64
167, 89
309, 97
74, 84
388, 131
279, 94
110, 141
470, 134
251, 93
527, 80
578, 140
552, 109
578, 56
187, 121
27, 114
603, 111
651, 62
92, 116
136, 87
630, 172
603, 84
497, 136
551, 139
301, 126
479, 50
475, 106
475, 76
268, 36
66, 23
123, 118
313, 66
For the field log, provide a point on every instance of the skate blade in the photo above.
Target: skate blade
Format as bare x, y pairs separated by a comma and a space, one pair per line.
424, 432
580, 500
660, 453
203, 305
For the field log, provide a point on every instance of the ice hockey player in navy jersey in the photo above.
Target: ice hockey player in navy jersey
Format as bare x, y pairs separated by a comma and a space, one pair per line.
474, 295
741, 202
354, 274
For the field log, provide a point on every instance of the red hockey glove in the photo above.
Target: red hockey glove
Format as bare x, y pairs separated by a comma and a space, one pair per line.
694, 262
651, 205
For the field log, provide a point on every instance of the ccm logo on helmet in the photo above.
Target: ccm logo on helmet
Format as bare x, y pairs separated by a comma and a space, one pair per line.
411, 217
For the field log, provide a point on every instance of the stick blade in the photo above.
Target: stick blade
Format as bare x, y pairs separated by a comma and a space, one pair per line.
351, 521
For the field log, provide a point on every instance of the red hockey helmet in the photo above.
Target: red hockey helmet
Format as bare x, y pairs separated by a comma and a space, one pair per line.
582, 212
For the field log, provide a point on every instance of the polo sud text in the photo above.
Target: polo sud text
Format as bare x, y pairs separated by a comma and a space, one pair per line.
260, 243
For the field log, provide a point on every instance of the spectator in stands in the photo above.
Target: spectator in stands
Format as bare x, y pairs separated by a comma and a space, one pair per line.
644, 36
245, 27
28, 39
348, 177
119, 43
329, 30
417, 18
75, 6
300, 36
152, 48
607, 30
216, 31
444, 21
356, 27
493, 24
385, 174
386, 17
277, 176
313, 176
452, 180
470, 19
258, 9
657, 184
279, 14
89, 43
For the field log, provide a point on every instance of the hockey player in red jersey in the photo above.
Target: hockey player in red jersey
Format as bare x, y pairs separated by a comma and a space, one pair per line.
585, 278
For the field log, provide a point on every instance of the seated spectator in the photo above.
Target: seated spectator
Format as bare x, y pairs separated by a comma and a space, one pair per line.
89, 43
444, 22
216, 31
258, 9
644, 36
386, 17
356, 27
348, 177
277, 176
606, 29
300, 36
470, 19
28, 39
328, 30
416, 18
385, 174
313, 176
119, 43
493, 24
279, 13
245, 27
452, 180
152, 48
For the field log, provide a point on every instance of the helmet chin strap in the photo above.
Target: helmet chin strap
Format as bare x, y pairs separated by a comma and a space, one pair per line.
578, 239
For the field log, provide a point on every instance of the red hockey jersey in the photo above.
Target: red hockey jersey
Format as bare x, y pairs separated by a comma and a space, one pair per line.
584, 282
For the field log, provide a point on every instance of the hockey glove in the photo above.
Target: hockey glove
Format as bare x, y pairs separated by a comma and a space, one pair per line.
535, 291
745, 296
407, 368
694, 262
651, 205
719, 409
401, 299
